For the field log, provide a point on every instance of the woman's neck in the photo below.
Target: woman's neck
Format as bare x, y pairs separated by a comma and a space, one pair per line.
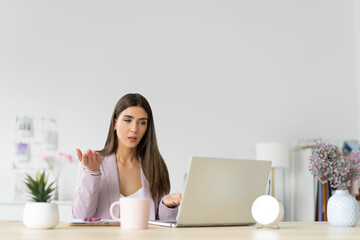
126, 155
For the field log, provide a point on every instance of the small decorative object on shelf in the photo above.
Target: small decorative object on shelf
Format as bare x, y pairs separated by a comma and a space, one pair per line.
40, 214
328, 165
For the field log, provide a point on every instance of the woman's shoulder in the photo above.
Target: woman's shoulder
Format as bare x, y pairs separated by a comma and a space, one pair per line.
108, 162
108, 157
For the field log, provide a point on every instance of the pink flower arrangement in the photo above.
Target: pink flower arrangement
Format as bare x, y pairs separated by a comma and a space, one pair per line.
56, 165
328, 165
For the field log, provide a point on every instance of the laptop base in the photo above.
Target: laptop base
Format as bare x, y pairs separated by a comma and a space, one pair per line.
173, 224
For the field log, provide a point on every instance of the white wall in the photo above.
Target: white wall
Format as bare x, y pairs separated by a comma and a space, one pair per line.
220, 75
357, 51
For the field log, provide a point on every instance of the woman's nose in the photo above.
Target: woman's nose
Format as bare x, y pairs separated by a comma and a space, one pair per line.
133, 127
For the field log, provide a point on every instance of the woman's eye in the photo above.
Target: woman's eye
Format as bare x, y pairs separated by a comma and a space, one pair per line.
127, 120
143, 123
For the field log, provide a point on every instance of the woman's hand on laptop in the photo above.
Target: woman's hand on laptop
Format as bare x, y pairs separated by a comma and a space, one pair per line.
172, 200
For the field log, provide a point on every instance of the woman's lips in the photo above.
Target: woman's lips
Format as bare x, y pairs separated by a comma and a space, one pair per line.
132, 139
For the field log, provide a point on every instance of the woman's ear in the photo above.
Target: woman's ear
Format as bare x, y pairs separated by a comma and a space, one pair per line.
115, 124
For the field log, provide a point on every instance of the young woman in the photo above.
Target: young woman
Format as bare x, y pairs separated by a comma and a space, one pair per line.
129, 165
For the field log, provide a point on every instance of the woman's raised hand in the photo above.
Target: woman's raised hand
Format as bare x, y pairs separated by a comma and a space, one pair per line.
91, 159
172, 200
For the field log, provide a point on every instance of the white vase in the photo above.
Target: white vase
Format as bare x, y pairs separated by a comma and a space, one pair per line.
343, 209
41, 215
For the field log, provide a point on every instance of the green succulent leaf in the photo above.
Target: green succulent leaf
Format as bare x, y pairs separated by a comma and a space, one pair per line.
39, 190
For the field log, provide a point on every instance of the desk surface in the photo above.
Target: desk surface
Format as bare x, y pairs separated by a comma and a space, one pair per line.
288, 230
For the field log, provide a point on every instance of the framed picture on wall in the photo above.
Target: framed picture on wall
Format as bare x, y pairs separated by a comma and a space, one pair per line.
50, 140
24, 126
21, 152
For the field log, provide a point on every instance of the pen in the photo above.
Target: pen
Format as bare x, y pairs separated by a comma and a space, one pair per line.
91, 219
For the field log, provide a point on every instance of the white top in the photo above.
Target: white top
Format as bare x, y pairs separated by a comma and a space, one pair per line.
137, 194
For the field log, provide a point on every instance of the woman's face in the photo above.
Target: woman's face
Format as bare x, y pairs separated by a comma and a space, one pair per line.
131, 126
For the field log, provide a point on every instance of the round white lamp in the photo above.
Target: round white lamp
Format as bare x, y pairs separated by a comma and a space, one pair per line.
267, 211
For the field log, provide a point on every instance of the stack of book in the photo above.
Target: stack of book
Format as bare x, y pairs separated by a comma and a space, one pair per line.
323, 192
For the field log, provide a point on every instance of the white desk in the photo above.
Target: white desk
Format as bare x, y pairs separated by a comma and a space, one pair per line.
289, 230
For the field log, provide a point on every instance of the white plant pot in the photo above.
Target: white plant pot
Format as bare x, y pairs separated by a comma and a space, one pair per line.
41, 215
343, 209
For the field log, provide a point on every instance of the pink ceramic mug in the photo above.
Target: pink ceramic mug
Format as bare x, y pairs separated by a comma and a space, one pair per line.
134, 212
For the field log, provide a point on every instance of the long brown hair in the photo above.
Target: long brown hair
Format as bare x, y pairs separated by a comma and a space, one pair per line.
152, 163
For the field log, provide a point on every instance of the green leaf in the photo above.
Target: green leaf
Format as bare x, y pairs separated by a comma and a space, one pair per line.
42, 177
37, 177
38, 189
46, 179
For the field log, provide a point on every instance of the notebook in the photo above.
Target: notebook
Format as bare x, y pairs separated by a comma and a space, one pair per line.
220, 192
102, 222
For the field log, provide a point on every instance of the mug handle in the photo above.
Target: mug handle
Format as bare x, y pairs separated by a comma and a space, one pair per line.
111, 210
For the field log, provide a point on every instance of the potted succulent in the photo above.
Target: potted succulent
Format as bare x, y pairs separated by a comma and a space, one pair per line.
328, 165
40, 214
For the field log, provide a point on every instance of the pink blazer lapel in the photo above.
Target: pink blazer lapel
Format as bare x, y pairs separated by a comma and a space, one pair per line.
112, 177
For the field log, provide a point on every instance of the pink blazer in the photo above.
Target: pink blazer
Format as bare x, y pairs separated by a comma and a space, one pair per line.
95, 194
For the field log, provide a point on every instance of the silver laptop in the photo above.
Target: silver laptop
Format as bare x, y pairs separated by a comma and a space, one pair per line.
220, 192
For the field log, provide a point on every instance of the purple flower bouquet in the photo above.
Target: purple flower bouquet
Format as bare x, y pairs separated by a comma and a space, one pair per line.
328, 165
